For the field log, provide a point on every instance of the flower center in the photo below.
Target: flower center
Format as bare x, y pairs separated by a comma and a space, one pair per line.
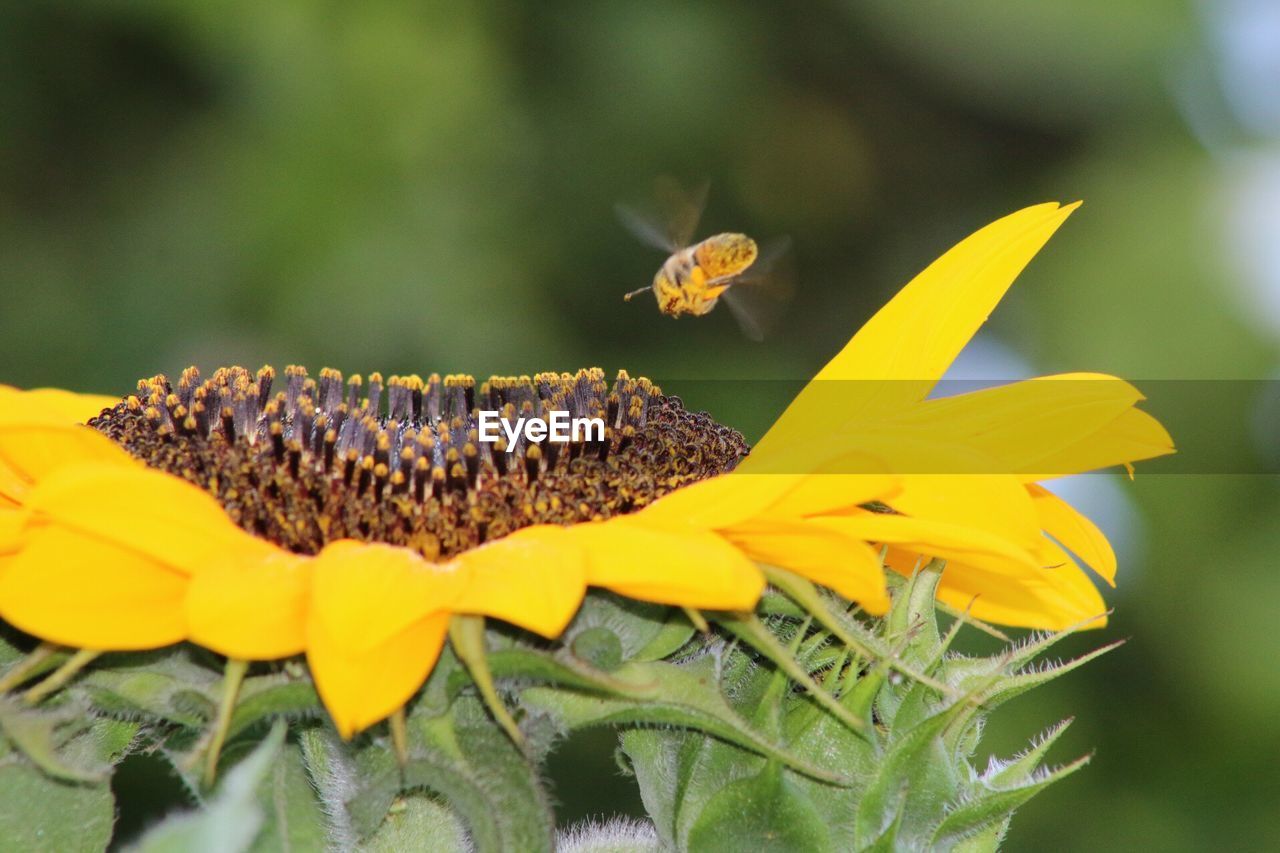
403, 463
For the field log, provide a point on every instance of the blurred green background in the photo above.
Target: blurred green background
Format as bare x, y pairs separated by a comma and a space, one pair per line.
414, 188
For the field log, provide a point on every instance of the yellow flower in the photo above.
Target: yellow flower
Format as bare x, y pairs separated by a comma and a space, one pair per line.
101, 552
350, 522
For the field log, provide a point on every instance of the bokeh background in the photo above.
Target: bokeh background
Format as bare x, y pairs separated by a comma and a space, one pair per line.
413, 188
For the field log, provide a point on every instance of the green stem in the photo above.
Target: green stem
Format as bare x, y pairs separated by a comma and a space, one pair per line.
60, 676
699, 621
752, 631
22, 669
466, 634
232, 677
399, 735
805, 594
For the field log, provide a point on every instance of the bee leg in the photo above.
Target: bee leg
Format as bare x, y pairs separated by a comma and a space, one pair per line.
626, 297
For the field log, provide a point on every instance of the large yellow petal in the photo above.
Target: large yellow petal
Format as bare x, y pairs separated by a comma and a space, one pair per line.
80, 590
1063, 522
667, 565
153, 513
363, 594
67, 406
534, 578
32, 449
893, 360
11, 523
996, 503
362, 686
252, 610
820, 553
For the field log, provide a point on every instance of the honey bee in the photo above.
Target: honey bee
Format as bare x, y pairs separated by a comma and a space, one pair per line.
695, 276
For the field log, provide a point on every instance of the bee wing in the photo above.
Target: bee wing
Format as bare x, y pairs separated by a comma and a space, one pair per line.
645, 228
758, 298
668, 218
682, 209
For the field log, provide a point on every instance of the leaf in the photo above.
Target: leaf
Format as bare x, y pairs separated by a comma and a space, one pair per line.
329, 766
41, 735
418, 822
564, 670
471, 763
231, 819
164, 685
265, 697
293, 817
764, 813
684, 696
38, 812
1022, 768
992, 808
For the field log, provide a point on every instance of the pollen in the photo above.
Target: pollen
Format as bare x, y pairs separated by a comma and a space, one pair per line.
399, 461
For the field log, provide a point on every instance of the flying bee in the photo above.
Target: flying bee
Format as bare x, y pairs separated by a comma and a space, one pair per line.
695, 276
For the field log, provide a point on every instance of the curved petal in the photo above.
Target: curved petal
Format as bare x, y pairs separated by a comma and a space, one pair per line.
1075, 532
534, 578
252, 610
158, 515
668, 566
79, 590
822, 554
1132, 437
1023, 422
364, 594
895, 358
32, 449
935, 539
361, 687
1052, 597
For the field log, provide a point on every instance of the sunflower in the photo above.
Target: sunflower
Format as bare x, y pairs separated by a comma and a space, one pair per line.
355, 522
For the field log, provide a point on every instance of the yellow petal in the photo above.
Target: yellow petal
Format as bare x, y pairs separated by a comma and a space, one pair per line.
67, 406
817, 494
534, 578
1023, 422
361, 687
11, 524
935, 539
995, 503
80, 590
1052, 597
895, 358
668, 566
1131, 437
364, 594
731, 499
822, 554
252, 610
156, 514
1077, 533
720, 501
31, 450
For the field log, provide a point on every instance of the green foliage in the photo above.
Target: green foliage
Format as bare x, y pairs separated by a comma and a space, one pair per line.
769, 733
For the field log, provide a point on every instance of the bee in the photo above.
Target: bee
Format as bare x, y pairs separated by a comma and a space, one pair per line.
695, 276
